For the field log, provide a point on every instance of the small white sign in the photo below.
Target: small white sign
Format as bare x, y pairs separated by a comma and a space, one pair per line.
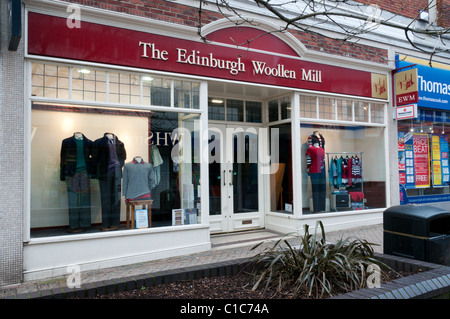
406, 112
141, 218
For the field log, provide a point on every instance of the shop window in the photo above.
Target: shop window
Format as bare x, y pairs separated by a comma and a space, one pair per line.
308, 106
88, 191
253, 112
423, 158
344, 110
88, 85
343, 168
158, 91
326, 109
216, 109
187, 95
273, 110
50, 80
285, 106
280, 109
281, 190
125, 88
376, 113
233, 110
361, 111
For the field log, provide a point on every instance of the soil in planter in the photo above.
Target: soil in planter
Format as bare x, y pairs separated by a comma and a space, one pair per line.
224, 287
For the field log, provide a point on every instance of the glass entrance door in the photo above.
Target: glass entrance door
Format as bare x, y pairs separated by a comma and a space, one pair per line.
234, 182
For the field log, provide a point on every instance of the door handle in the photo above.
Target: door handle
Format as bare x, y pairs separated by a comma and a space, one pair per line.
224, 172
231, 177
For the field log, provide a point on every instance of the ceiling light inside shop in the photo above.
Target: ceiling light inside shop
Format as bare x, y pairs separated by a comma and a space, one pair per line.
84, 71
217, 101
147, 78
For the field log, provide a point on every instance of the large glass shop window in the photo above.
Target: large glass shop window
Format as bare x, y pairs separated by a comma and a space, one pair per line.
423, 158
343, 168
96, 169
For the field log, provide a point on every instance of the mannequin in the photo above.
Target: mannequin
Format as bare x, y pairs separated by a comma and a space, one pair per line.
108, 155
138, 179
75, 170
316, 159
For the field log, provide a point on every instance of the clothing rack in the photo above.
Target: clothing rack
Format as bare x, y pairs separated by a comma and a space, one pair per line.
358, 154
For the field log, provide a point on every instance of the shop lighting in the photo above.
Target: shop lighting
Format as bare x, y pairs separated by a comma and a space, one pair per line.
217, 101
147, 78
84, 71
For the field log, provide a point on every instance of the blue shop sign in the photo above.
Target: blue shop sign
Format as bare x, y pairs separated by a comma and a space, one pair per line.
433, 83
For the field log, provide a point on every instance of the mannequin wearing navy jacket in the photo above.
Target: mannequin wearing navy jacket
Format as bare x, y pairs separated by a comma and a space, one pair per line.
108, 154
75, 170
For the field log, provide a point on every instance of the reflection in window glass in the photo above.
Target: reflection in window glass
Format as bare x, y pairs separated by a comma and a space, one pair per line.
285, 105
235, 110
273, 110
81, 179
253, 112
281, 189
361, 111
187, 94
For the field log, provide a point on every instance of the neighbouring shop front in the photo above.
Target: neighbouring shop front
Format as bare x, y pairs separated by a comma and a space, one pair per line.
143, 141
423, 137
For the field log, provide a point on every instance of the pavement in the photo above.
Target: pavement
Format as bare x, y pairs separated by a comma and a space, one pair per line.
225, 247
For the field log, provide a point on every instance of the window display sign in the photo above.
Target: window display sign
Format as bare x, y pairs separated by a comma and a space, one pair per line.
407, 172
141, 218
421, 160
440, 164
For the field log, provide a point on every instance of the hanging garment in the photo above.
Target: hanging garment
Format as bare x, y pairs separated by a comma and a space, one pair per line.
344, 173
356, 171
156, 162
332, 173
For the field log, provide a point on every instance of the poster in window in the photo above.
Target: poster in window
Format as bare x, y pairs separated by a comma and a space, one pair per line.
443, 139
177, 217
436, 160
409, 161
421, 160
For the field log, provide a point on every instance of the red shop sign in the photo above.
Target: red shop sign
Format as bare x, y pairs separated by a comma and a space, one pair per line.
50, 36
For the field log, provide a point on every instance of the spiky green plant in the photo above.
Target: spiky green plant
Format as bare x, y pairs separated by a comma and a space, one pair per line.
315, 267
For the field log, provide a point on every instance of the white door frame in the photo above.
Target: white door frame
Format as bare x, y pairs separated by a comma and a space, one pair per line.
227, 220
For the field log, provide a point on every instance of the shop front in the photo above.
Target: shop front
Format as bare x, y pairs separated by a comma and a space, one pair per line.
423, 149
144, 140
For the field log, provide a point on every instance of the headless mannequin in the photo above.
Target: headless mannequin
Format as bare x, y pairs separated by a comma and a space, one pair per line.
316, 156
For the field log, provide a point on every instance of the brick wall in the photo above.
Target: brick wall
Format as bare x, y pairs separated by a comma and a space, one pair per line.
11, 156
444, 13
411, 8
171, 11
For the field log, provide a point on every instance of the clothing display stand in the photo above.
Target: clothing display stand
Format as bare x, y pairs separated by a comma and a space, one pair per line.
146, 204
341, 197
